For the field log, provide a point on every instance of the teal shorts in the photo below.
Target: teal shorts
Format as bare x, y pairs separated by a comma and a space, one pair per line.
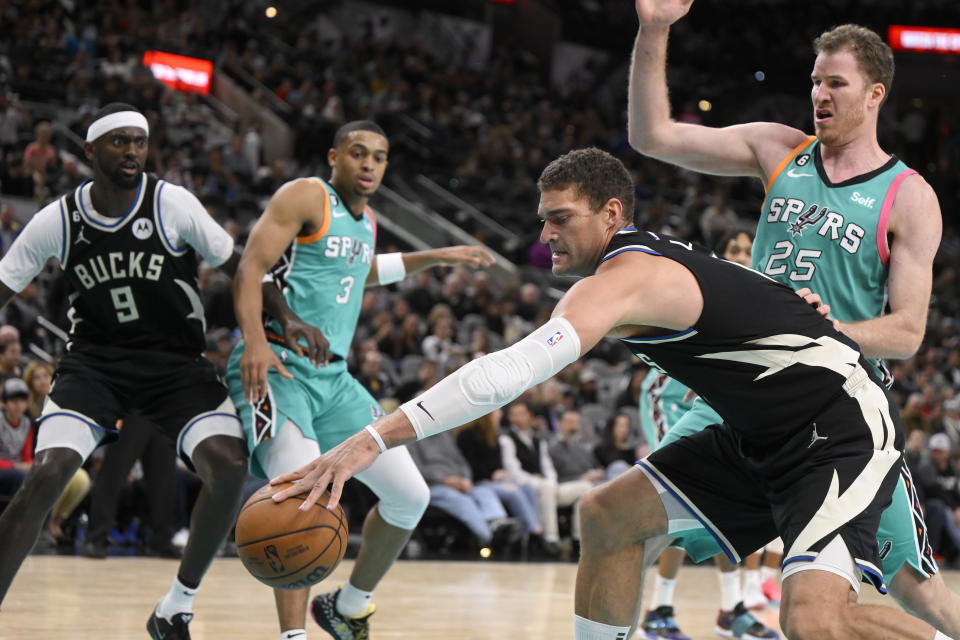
326, 403
902, 535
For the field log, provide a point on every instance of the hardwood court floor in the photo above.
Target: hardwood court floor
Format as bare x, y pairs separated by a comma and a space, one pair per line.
75, 598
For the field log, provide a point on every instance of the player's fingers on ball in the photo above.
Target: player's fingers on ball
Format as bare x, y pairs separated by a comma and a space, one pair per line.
335, 493
315, 492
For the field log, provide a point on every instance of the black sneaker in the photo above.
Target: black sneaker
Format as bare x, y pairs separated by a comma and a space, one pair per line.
176, 629
324, 612
93, 549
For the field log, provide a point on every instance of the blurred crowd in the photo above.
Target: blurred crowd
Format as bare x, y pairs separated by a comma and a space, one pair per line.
483, 134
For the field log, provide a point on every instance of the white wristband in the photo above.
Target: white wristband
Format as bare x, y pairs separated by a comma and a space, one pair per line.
390, 268
376, 437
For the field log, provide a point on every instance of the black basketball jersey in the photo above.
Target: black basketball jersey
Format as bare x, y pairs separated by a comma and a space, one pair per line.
128, 288
764, 359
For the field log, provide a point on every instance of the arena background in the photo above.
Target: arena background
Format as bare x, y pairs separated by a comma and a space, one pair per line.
476, 96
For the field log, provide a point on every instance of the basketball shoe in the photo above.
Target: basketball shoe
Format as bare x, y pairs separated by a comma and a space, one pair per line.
740, 623
324, 612
659, 623
176, 629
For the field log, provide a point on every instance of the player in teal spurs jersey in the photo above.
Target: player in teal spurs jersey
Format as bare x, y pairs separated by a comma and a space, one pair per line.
314, 245
841, 218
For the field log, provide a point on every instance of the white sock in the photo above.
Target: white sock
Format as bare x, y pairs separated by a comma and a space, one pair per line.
353, 602
584, 629
178, 600
766, 573
294, 634
940, 636
663, 591
752, 580
730, 591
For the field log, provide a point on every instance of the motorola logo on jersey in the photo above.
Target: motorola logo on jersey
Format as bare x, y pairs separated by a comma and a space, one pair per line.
813, 217
348, 248
118, 265
142, 228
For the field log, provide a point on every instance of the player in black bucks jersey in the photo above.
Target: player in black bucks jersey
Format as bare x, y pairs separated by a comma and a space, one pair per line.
810, 448
127, 243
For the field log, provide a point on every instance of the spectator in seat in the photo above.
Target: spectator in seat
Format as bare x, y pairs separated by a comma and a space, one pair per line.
938, 480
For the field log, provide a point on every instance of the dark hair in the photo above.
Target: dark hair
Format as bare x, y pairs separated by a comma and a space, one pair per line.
113, 107
356, 125
729, 237
595, 175
873, 55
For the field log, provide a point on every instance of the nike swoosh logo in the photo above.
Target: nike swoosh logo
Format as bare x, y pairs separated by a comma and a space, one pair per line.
792, 174
296, 635
420, 404
339, 214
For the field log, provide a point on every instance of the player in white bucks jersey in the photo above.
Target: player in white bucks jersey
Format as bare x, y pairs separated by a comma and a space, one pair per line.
128, 244
842, 217
313, 249
774, 368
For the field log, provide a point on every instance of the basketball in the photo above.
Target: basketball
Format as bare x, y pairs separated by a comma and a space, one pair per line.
286, 548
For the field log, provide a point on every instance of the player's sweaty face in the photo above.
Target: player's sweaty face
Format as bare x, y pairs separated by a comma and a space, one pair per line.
572, 230
360, 162
120, 154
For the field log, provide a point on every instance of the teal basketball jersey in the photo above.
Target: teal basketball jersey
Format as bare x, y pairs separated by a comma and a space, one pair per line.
830, 237
322, 275
662, 403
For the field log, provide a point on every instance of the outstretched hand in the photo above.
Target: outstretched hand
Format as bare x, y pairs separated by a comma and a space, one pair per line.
335, 467
661, 12
474, 256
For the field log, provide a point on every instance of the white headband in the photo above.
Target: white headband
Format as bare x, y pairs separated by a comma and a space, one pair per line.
115, 121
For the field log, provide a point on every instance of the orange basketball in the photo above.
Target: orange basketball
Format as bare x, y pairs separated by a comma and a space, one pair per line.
286, 548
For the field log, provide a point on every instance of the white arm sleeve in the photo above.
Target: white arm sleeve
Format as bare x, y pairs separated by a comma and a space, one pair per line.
184, 221
40, 240
489, 382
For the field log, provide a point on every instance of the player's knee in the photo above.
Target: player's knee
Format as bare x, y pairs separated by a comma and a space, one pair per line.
221, 462
599, 524
809, 621
403, 506
49, 475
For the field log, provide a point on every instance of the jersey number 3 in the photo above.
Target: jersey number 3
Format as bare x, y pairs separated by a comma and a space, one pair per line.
347, 283
802, 267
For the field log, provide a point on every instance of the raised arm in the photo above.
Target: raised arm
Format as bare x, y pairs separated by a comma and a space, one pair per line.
286, 214
916, 225
752, 149
386, 268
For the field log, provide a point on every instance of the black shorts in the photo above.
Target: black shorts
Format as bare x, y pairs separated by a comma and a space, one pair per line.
833, 475
106, 384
